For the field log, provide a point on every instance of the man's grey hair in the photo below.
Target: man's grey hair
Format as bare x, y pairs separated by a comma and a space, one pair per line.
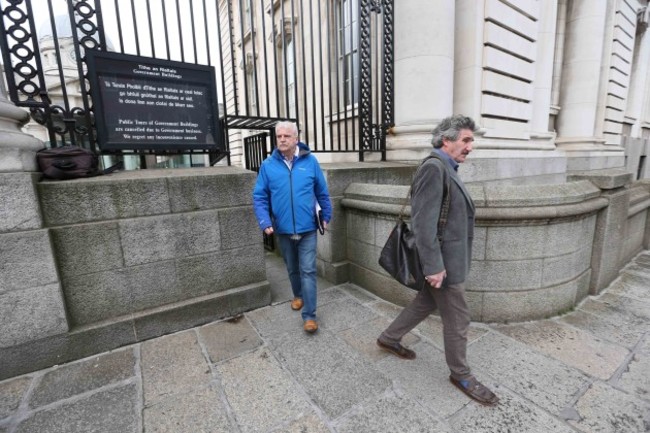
450, 128
285, 124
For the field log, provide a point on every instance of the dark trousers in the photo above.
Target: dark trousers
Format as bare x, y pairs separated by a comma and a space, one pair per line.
450, 301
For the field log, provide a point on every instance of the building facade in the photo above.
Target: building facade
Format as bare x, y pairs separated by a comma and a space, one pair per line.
556, 86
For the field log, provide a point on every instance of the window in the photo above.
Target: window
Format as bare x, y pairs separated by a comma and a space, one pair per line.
348, 35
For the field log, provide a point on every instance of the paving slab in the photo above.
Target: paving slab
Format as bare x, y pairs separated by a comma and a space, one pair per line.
635, 379
330, 295
627, 337
333, 374
79, 377
543, 380
637, 308
364, 338
173, 364
343, 314
199, 411
309, 423
386, 309
426, 380
570, 345
512, 414
615, 315
362, 296
109, 411
224, 340
604, 409
431, 328
390, 413
12, 392
275, 320
257, 407
632, 286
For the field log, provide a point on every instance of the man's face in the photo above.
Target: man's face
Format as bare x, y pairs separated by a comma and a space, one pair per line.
286, 141
459, 149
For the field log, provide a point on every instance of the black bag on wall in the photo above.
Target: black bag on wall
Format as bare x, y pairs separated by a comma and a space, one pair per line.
68, 162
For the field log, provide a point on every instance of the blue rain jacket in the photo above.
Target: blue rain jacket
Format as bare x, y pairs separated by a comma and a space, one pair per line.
286, 199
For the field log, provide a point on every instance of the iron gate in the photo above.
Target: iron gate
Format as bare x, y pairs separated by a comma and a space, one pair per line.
257, 148
326, 64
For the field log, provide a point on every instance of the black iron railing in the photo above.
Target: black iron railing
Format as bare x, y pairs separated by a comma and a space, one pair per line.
326, 64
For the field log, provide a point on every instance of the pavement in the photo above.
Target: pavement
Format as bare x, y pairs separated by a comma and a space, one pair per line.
586, 371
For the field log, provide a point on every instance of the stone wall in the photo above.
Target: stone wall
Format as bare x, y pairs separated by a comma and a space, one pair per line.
539, 249
122, 258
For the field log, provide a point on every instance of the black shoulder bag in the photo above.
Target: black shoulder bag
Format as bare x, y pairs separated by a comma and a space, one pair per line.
399, 257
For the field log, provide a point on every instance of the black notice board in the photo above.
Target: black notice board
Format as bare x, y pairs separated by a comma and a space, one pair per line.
154, 105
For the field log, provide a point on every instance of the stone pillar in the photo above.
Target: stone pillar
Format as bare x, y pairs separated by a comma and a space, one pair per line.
424, 74
584, 57
640, 84
31, 303
610, 224
542, 99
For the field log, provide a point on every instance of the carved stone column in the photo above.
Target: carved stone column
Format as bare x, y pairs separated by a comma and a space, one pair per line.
424, 74
31, 302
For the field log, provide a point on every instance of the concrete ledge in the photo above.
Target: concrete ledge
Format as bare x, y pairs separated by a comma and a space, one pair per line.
610, 178
103, 336
131, 194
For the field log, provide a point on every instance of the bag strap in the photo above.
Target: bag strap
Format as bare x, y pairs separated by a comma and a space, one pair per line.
446, 193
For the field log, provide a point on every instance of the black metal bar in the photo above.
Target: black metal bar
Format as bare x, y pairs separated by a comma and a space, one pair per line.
365, 79
64, 87
207, 35
80, 66
180, 30
283, 40
350, 103
232, 57
388, 69
223, 80
328, 13
320, 60
119, 25
153, 46
243, 56
295, 68
135, 29
305, 123
266, 60
337, 67
254, 66
192, 25
275, 62
164, 12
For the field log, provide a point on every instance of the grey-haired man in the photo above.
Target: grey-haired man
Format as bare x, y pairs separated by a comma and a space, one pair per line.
445, 264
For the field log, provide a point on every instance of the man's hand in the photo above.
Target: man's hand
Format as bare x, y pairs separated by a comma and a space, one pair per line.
268, 231
435, 280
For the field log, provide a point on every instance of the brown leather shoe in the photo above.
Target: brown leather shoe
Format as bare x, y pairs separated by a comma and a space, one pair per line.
396, 349
476, 390
296, 304
310, 326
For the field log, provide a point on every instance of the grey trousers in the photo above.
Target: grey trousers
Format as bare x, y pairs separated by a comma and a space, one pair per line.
450, 301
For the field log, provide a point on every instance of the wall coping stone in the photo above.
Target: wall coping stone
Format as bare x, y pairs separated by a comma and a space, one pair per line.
512, 202
610, 178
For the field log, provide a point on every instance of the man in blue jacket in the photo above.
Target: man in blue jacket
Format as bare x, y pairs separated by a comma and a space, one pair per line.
289, 185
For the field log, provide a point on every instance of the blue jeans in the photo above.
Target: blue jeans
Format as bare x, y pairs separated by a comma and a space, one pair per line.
300, 258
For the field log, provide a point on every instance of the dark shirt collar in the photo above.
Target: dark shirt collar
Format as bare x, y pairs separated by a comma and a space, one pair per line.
447, 158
